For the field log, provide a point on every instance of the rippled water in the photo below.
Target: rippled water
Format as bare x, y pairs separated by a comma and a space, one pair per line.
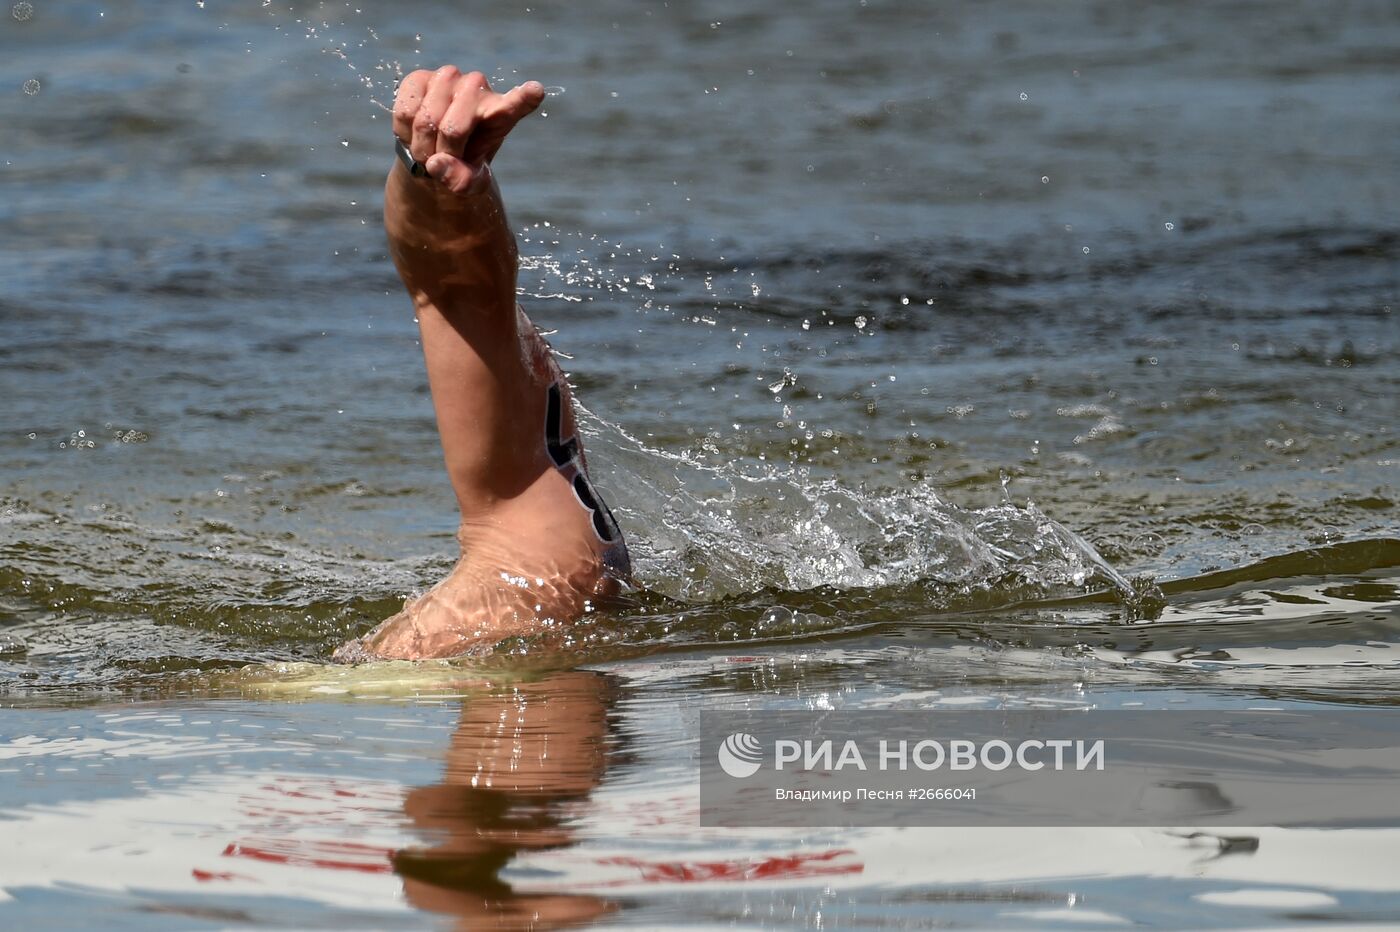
934, 356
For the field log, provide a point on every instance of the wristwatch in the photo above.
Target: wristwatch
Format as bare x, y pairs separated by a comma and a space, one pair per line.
415, 168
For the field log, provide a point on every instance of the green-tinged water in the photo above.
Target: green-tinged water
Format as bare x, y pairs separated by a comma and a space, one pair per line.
934, 357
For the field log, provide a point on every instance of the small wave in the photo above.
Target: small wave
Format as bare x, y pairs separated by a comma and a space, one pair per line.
1341, 559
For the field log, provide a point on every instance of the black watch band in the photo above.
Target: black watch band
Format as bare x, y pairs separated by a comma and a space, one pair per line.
415, 168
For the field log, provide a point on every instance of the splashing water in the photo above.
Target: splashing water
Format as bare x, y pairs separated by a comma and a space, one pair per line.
706, 533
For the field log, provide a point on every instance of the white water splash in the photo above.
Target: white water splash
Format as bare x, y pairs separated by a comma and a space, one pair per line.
704, 532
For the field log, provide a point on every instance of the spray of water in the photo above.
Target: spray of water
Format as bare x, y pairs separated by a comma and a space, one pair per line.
709, 532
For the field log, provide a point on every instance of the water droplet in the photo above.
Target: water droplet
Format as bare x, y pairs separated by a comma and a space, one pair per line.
1086, 250
1025, 96
1044, 179
345, 143
1149, 543
554, 90
904, 299
861, 322
1328, 532
31, 87
22, 11
199, 3
1170, 226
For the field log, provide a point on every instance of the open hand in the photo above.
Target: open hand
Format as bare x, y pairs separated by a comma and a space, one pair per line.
453, 123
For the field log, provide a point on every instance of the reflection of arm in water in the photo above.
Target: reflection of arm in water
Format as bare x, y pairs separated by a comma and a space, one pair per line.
524, 758
538, 543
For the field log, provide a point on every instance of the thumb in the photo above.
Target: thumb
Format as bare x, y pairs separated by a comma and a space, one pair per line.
455, 174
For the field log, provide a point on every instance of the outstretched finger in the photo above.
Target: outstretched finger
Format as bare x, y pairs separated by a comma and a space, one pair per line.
507, 111
523, 100
407, 102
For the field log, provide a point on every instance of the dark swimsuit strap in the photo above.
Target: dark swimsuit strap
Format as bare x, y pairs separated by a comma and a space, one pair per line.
565, 454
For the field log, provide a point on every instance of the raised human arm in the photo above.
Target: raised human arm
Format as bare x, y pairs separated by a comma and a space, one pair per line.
539, 547
457, 257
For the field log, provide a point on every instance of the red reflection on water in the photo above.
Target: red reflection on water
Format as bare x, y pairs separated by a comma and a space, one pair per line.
816, 864
332, 855
206, 876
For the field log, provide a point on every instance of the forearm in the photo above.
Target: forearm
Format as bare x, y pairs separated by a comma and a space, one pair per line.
453, 251
457, 258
